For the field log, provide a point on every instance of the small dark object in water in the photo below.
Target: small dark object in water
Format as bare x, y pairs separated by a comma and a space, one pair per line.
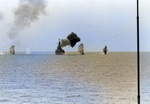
59, 50
12, 50
105, 50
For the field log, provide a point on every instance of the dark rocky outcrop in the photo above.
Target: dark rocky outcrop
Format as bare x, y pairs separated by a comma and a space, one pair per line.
81, 49
105, 50
12, 50
59, 50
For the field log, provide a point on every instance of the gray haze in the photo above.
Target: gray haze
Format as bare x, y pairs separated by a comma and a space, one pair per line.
1, 15
28, 11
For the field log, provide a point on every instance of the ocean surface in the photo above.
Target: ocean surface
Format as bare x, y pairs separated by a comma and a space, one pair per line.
93, 78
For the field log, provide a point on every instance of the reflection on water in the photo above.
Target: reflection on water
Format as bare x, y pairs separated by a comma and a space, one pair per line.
24, 81
145, 78
50, 79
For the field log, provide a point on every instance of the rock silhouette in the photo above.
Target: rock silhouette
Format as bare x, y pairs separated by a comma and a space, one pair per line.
80, 49
59, 50
12, 50
105, 50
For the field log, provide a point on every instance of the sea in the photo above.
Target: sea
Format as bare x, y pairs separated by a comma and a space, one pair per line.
92, 78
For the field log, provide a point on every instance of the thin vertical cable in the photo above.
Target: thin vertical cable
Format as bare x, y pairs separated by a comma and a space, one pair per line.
138, 54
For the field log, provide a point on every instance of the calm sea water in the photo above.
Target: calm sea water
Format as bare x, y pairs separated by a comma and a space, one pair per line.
37, 79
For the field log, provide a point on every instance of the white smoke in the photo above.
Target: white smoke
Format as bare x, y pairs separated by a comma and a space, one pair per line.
27, 12
64, 42
28, 50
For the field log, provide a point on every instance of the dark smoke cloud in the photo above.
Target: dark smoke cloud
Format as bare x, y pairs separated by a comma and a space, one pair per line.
28, 11
71, 40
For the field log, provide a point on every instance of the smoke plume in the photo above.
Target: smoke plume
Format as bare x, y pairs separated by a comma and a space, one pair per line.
64, 43
71, 40
27, 12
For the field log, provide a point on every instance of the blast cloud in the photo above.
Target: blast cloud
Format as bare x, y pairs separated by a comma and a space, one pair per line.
27, 12
64, 43
71, 40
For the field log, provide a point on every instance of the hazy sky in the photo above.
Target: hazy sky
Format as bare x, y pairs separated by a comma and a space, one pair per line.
96, 22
